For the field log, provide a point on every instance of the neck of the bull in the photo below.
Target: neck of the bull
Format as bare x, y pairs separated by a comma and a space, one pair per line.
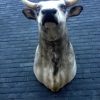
56, 46
53, 51
60, 42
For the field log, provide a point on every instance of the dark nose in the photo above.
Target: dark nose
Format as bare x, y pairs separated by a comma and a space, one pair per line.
49, 11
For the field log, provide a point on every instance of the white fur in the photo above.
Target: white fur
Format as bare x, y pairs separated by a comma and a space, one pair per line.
51, 5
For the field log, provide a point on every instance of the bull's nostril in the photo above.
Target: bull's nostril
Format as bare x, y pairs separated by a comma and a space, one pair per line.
54, 11
49, 11
43, 11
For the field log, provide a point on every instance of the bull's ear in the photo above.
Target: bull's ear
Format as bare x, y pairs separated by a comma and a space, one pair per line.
75, 11
29, 13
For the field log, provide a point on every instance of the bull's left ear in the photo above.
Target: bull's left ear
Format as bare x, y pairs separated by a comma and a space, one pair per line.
75, 11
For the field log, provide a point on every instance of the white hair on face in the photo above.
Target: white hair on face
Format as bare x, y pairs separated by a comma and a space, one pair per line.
51, 5
60, 15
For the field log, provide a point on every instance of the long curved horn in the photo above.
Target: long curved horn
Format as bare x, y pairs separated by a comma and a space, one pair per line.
30, 4
70, 2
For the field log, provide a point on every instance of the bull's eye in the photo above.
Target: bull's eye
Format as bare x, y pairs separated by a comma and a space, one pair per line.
63, 7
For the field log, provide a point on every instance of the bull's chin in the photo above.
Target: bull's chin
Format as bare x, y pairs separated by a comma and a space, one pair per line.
50, 25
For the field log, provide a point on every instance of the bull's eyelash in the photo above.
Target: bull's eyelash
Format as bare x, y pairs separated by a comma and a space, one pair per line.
38, 10
63, 7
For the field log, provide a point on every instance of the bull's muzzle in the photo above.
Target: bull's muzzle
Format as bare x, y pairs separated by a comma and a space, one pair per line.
49, 16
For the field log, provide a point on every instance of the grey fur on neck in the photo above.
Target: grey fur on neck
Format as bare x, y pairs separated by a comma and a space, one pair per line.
56, 49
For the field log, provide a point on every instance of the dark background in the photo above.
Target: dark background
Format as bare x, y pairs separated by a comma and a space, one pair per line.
18, 41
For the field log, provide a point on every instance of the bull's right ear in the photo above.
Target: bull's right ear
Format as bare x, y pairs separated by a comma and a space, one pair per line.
75, 11
29, 13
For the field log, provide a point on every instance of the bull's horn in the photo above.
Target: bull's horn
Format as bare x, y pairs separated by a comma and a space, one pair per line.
30, 4
70, 2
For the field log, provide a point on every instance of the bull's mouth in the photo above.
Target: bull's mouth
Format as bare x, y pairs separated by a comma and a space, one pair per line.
49, 18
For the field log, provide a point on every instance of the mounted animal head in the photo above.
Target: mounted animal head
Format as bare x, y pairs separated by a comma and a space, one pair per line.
51, 14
